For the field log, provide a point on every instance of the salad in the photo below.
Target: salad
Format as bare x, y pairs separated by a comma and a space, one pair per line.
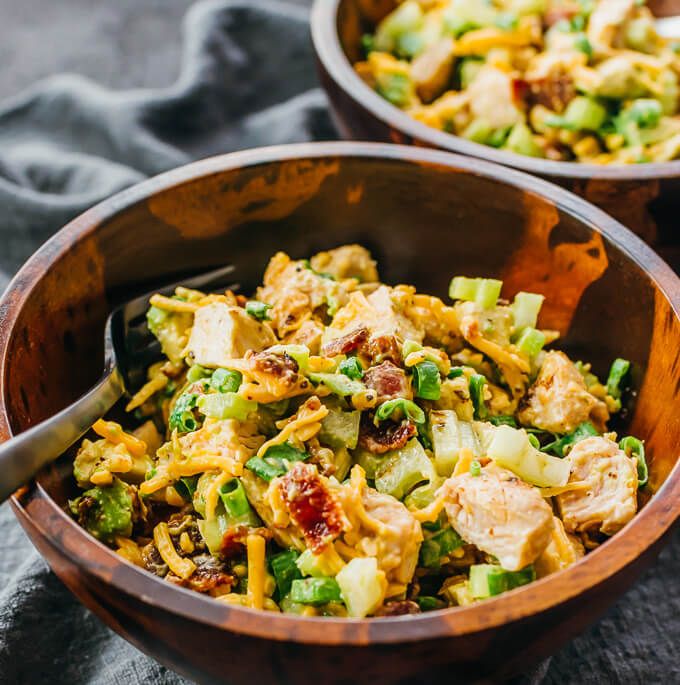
568, 80
336, 446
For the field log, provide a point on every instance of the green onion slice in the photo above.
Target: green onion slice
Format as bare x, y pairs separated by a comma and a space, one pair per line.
410, 409
352, 368
477, 382
635, 448
426, 380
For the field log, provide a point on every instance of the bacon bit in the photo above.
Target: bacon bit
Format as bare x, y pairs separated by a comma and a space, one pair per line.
388, 382
554, 91
520, 89
387, 436
398, 608
380, 348
313, 508
346, 343
208, 575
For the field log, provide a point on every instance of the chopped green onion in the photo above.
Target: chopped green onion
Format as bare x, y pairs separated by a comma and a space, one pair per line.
258, 310
197, 373
525, 310
315, 591
181, 417
367, 44
352, 368
264, 469
617, 373
285, 452
534, 441
185, 486
300, 353
338, 383
475, 468
582, 43
439, 545
635, 448
226, 405
487, 580
585, 430
285, 570
456, 372
502, 420
477, 382
426, 380
410, 409
234, 498
427, 603
530, 342
484, 291
226, 380
400, 470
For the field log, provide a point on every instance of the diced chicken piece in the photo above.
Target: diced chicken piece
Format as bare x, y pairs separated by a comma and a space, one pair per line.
606, 21
564, 549
296, 292
559, 401
381, 527
608, 499
500, 514
431, 69
492, 99
222, 332
348, 261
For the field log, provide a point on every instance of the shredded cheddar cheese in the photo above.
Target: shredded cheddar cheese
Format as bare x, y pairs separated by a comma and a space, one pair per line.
302, 419
255, 546
147, 391
213, 494
115, 434
179, 566
171, 305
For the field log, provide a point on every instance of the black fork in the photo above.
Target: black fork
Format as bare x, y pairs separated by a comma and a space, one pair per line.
129, 348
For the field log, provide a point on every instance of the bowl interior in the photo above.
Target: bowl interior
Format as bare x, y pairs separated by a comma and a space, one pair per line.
425, 216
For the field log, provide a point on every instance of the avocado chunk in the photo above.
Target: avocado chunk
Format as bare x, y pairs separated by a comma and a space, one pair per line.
105, 512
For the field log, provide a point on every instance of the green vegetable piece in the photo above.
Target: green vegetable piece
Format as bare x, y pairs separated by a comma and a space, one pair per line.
285, 570
646, 113
352, 368
234, 498
275, 461
426, 380
449, 436
478, 131
475, 468
406, 18
399, 471
439, 545
155, 317
264, 469
226, 405
456, 372
315, 591
288, 606
477, 382
340, 428
498, 137
396, 88
186, 487
226, 380
617, 374
502, 420
300, 353
467, 71
582, 44
427, 603
584, 113
367, 44
324, 565
521, 140
525, 310
109, 512
338, 384
635, 448
506, 21
484, 291
488, 580
530, 342
258, 310
182, 417
583, 431
401, 406
285, 452
197, 373
410, 44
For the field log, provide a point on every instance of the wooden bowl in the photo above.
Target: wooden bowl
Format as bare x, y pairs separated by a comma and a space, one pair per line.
426, 215
644, 197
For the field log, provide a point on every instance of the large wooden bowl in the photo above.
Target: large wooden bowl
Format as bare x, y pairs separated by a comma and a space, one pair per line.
644, 197
426, 215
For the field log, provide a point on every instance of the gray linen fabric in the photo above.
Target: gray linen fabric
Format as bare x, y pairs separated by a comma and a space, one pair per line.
246, 79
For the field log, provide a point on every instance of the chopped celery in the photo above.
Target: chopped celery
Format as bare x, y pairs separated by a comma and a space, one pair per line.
423, 495
362, 585
449, 436
477, 382
468, 70
583, 431
484, 291
300, 353
352, 368
584, 113
258, 310
340, 428
521, 140
525, 309
234, 498
226, 380
617, 373
328, 563
197, 373
439, 545
285, 570
288, 606
315, 591
368, 461
342, 461
511, 448
401, 470
426, 380
530, 342
403, 407
635, 448
646, 113
487, 580
338, 384
226, 405
397, 88
408, 17
410, 44
478, 131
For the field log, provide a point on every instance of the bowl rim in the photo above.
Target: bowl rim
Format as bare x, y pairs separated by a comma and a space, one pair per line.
646, 529
323, 20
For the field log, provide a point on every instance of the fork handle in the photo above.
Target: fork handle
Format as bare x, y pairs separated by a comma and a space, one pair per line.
21, 457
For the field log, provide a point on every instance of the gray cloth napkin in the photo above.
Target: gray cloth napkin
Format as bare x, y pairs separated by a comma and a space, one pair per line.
247, 79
